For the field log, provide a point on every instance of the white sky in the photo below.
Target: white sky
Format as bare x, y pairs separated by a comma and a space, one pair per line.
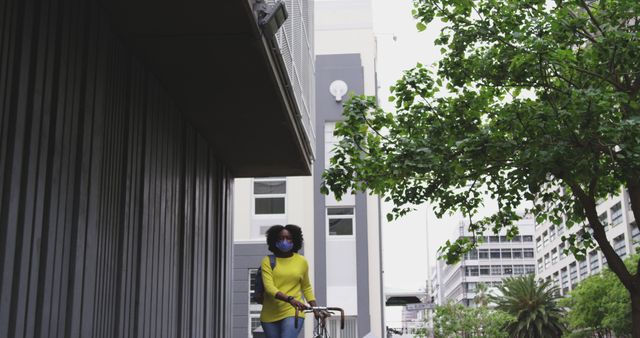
404, 240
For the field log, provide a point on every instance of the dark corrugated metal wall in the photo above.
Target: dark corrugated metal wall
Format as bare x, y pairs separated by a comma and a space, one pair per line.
114, 212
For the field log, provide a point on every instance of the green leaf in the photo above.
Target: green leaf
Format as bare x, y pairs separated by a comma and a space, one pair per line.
420, 26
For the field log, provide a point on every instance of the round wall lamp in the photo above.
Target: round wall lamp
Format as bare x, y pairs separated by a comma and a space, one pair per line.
338, 88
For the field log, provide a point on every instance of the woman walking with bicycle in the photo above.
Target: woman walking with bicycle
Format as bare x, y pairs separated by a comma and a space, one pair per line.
285, 284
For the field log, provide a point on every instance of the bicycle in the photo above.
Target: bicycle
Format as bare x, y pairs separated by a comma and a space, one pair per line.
320, 324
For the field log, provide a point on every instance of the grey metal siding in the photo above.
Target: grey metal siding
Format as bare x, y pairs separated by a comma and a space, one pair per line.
114, 212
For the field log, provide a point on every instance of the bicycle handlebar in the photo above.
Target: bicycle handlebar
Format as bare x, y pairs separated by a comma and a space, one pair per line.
310, 309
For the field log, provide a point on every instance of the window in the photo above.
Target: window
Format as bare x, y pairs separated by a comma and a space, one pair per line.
552, 233
545, 238
473, 254
561, 251
506, 253
517, 238
269, 196
494, 239
604, 219
529, 269
504, 239
484, 270
527, 238
496, 270
340, 221
540, 265
573, 273
554, 256
252, 284
507, 270
517, 253
518, 270
470, 287
483, 254
528, 253
583, 269
471, 271
565, 281
538, 243
593, 261
556, 279
547, 261
616, 214
635, 233
620, 246
494, 253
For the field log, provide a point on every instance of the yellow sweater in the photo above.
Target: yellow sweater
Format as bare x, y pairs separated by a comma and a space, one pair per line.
291, 277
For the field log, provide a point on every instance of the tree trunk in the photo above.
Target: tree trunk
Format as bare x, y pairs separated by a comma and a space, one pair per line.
635, 314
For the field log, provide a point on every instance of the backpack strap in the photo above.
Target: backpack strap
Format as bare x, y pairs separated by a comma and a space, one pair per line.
272, 260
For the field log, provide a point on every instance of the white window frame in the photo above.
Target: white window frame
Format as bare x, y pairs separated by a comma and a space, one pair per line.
330, 217
255, 196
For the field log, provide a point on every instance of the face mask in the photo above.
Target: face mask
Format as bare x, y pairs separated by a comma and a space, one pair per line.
284, 245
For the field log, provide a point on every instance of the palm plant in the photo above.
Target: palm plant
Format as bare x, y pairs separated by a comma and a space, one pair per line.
534, 306
482, 294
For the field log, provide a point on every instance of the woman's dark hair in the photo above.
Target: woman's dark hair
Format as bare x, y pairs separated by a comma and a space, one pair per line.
274, 232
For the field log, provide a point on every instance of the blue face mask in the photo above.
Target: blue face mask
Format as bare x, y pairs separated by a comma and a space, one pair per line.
284, 245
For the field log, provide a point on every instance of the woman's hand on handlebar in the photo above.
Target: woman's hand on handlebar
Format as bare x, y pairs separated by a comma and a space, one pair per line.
321, 314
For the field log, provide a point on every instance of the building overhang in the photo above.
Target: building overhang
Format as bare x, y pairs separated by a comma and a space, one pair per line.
227, 77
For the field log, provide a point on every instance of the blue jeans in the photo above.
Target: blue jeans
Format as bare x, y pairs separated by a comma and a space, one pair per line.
284, 328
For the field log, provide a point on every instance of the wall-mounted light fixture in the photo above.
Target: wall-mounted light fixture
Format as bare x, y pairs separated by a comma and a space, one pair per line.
338, 88
271, 17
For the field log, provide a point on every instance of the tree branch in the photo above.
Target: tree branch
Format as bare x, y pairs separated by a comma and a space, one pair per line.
594, 74
366, 120
582, 31
593, 18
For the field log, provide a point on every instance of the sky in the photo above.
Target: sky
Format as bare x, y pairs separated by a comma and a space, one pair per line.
399, 47
408, 241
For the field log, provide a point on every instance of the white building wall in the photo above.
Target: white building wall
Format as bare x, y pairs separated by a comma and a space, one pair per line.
344, 27
298, 210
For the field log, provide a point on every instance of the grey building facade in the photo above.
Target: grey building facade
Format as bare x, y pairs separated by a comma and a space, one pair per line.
339, 264
122, 125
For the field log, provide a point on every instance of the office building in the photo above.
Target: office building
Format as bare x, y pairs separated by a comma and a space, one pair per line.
563, 269
495, 258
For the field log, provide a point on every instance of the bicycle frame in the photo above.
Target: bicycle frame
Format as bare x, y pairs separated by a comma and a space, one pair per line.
320, 327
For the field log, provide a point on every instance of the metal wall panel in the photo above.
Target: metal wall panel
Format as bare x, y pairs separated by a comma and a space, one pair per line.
114, 212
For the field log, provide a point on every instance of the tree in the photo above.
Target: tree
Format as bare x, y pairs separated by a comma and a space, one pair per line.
533, 102
600, 305
456, 320
534, 306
